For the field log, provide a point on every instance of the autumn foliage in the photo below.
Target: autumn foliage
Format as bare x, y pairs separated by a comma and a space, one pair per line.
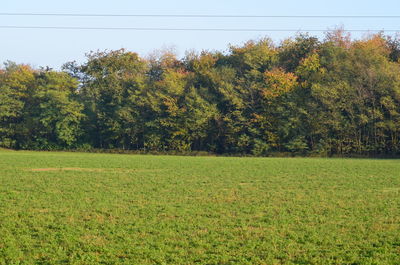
304, 96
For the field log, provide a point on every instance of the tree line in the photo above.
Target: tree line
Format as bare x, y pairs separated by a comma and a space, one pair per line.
335, 96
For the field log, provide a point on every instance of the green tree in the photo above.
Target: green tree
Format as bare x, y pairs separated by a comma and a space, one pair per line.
15, 83
57, 117
111, 84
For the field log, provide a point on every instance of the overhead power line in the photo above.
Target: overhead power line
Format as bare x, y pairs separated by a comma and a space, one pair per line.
196, 15
191, 29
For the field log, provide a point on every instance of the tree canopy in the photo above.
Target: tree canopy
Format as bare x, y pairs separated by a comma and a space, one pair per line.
305, 96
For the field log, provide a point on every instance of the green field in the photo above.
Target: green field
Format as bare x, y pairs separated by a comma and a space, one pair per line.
75, 208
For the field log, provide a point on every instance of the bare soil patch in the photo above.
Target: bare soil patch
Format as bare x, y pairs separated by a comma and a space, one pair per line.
92, 169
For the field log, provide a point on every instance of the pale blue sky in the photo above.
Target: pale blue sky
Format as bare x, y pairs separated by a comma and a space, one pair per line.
55, 47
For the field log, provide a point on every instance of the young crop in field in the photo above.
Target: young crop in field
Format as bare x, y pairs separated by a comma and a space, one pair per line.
76, 208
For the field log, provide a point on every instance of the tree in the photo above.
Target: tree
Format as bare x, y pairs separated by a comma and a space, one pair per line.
111, 85
58, 113
15, 84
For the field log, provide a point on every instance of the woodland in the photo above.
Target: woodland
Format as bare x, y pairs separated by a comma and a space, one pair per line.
305, 95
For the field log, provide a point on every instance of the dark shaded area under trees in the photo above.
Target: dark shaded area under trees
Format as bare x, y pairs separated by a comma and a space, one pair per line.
305, 96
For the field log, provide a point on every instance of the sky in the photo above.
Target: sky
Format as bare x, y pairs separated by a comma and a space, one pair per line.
51, 47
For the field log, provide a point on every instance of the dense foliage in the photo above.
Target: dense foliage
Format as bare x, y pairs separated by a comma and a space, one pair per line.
336, 96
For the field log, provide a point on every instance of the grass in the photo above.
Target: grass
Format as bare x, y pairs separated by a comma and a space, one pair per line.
75, 208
